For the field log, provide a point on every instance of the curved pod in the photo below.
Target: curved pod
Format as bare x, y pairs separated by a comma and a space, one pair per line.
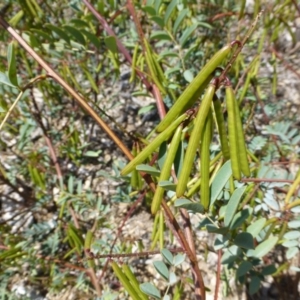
221, 127
166, 169
232, 132
193, 87
142, 156
205, 161
194, 140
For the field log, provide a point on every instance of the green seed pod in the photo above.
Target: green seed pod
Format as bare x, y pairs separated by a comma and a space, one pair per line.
194, 140
125, 281
152, 67
232, 132
221, 127
154, 145
166, 169
205, 161
193, 87
242, 150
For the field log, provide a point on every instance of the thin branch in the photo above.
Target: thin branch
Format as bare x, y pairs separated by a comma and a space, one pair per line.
84, 104
80, 100
218, 275
121, 47
266, 180
119, 230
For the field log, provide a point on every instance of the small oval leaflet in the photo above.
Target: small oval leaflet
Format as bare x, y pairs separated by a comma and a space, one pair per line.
167, 255
243, 268
189, 205
149, 289
162, 269
292, 235
265, 247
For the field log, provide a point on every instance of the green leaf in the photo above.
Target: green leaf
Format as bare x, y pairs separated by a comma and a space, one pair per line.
172, 280
294, 224
271, 202
205, 25
71, 184
12, 69
221, 242
292, 235
79, 23
168, 53
162, 269
170, 71
59, 32
92, 38
265, 247
291, 252
179, 19
189, 205
169, 10
186, 34
150, 10
244, 240
42, 34
243, 268
148, 169
290, 243
188, 75
162, 154
167, 185
268, 270
178, 161
254, 285
146, 109
91, 80
167, 255
150, 289
214, 229
219, 182
111, 43
76, 34
256, 227
233, 205
178, 259
157, 4
5, 80
158, 20
231, 255
240, 217
91, 153
191, 51
160, 35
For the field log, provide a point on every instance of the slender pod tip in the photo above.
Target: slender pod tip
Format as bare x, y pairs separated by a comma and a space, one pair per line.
227, 82
236, 42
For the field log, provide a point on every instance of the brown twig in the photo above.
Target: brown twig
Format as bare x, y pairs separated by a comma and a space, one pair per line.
155, 91
121, 47
296, 6
129, 255
84, 104
265, 180
119, 230
80, 100
218, 275
285, 63
240, 48
47, 139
